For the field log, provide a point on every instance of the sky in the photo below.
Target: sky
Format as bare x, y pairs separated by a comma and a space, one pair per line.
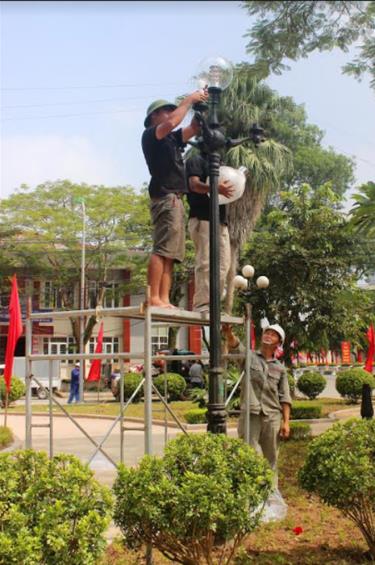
77, 77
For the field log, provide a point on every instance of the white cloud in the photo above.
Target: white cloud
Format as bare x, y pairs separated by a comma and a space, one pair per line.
36, 159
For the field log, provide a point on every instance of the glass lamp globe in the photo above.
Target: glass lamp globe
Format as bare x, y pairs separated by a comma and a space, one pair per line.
214, 72
248, 271
262, 282
240, 282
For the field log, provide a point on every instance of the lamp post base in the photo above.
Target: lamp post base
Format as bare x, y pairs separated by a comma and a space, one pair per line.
217, 417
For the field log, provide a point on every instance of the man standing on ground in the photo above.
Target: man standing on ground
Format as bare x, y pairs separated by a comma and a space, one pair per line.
162, 148
74, 384
197, 171
270, 399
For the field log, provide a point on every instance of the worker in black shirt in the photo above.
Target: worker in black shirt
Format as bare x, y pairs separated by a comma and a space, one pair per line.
162, 148
197, 171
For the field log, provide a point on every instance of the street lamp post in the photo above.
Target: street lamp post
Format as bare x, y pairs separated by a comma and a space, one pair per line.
216, 74
243, 283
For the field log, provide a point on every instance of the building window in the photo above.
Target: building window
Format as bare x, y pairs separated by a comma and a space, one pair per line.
110, 344
50, 297
111, 294
59, 346
159, 339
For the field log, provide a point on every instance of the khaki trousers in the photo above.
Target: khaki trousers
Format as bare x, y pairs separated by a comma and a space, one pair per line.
264, 436
200, 234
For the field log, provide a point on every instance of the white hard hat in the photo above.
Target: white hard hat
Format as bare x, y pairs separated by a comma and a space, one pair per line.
278, 329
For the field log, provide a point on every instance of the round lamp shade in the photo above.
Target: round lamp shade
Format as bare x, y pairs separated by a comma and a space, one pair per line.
262, 282
240, 282
237, 177
214, 72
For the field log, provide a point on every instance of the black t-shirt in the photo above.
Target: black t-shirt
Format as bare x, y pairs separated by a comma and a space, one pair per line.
165, 163
197, 166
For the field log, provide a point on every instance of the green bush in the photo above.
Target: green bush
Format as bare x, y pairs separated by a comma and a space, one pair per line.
311, 383
300, 430
198, 396
340, 469
6, 436
131, 381
207, 490
52, 510
308, 410
196, 416
176, 385
349, 383
17, 390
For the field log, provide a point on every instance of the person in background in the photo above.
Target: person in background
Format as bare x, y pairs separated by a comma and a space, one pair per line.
196, 375
74, 384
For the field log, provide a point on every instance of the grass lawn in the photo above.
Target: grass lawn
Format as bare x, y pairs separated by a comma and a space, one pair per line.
112, 408
327, 538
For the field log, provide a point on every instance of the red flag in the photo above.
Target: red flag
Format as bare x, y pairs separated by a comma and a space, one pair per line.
14, 332
94, 374
371, 349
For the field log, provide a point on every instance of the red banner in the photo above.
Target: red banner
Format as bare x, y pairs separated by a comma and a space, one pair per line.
14, 332
371, 349
345, 353
94, 374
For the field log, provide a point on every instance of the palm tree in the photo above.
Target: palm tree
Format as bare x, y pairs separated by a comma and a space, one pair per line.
363, 211
246, 101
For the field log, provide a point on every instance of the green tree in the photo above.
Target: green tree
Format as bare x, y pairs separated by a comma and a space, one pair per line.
313, 260
44, 229
291, 30
363, 211
246, 101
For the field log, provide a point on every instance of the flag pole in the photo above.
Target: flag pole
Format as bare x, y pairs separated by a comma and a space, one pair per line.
6, 408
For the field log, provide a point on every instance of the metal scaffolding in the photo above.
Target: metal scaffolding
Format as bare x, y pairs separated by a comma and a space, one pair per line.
150, 315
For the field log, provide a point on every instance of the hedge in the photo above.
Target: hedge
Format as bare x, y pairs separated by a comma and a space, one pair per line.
305, 409
176, 385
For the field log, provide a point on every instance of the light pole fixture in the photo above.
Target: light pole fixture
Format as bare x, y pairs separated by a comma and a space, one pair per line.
243, 283
215, 74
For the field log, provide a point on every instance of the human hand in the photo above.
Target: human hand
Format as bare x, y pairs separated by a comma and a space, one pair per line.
284, 430
199, 96
226, 188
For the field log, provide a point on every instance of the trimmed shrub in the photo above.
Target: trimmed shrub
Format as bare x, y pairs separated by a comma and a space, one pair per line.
6, 436
17, 390
349, 383
176, 385
311, 384
52, 510
340, 469
300, 430
199, 396
302, 410
207, 490
196, 416
131, 381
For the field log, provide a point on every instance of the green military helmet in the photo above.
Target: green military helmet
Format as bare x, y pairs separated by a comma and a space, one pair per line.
157, 105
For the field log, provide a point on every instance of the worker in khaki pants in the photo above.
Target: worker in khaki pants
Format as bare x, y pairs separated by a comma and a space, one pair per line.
270, 399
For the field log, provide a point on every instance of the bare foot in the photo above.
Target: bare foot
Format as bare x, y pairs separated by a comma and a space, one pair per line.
170, 306
157, 302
